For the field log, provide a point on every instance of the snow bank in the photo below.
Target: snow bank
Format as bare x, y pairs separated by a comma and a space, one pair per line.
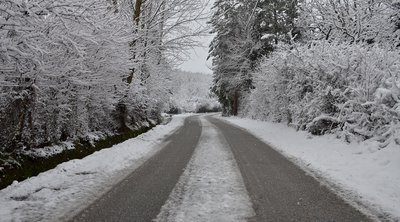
62, 192
363, 174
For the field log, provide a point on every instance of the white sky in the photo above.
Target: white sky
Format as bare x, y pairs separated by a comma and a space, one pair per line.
197, 61
197, 57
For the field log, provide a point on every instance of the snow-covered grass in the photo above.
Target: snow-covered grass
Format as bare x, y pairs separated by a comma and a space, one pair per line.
211, 188
363, 174
62, 192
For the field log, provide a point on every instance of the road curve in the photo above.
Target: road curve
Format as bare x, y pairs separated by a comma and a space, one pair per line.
280, 190
141, 195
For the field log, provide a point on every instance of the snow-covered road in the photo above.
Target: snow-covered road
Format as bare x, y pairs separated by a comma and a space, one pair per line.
231, 176
364, 175
211, 188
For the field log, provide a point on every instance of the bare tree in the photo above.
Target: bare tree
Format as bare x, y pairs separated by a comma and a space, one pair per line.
349, 20
165, 30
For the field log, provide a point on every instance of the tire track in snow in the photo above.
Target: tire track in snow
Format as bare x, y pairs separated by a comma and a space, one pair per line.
211, 188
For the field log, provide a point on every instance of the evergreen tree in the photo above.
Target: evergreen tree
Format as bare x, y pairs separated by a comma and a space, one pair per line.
245, 32
274, 23
230, 49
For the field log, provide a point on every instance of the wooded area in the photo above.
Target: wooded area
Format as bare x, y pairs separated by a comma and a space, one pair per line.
329, 66
73, 70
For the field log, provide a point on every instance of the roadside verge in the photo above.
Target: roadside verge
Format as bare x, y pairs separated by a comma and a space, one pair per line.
56, 194
363, 175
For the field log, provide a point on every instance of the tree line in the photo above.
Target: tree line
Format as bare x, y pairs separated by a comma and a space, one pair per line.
329, 66
70, 68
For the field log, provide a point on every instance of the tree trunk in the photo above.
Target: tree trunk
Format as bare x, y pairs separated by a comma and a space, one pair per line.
136, 21
138, 12
235, 105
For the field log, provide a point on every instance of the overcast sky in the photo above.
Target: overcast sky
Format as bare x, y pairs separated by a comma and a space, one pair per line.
197, 61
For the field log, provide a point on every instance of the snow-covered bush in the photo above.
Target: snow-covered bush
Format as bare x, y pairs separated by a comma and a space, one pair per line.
351, 21
350, 89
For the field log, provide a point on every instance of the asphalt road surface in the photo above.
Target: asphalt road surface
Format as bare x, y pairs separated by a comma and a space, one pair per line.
142, 194
279, 190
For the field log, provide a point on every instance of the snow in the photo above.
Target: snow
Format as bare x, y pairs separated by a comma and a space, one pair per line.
267, 36
51, 150
211, 188
364, 175
65, 190
191, 91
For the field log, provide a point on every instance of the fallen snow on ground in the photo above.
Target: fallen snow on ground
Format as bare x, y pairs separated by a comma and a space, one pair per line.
211, 188
361, 172
62, 192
